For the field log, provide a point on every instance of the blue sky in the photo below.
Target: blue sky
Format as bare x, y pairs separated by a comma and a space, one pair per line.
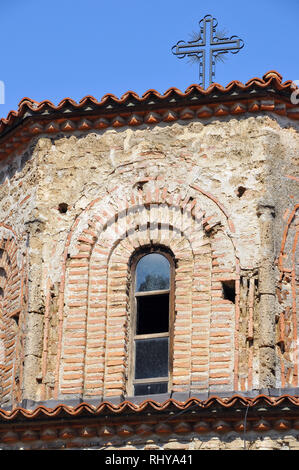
72, 48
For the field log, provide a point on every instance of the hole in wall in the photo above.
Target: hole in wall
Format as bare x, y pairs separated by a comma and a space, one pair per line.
140, 184
15, 324
281, 345
229, 290
63, 207
3, 273
240, 191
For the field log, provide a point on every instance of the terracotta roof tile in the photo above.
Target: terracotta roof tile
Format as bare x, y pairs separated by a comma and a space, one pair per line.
147, 405
268, 78
132, 109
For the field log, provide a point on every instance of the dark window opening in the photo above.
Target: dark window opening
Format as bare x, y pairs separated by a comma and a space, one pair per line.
229, 290
151, 358
151, 334
152, 314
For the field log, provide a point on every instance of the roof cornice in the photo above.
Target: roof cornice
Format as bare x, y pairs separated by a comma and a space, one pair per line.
256, 96
262, 413
128, 407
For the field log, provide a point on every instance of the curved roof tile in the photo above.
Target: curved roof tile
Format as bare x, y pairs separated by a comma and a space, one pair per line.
119, 111
270, 77
125, 406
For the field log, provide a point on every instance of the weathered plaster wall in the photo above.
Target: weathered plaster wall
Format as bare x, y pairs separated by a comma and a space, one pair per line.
241, 173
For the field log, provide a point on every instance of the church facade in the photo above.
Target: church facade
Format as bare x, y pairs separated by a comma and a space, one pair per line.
149, 280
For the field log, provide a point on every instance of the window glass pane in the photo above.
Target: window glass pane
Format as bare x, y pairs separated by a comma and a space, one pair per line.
152, 273
152, 314
151, 359
150, 389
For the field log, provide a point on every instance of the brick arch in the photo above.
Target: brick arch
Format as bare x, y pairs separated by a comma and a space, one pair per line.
118, 274
98, 281
288, 295
11, 282
89, 279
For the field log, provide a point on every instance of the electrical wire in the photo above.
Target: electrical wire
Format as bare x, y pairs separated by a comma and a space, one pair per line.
245, 427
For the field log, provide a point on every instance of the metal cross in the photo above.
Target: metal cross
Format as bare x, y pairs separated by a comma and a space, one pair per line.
207, 48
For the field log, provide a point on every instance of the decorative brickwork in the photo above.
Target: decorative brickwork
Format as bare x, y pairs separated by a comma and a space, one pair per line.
288, 295
95, 330
12, 297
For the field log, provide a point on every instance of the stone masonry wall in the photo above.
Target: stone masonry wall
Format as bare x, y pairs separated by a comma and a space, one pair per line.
222, 196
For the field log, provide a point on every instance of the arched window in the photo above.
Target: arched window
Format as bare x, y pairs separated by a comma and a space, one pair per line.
152, 309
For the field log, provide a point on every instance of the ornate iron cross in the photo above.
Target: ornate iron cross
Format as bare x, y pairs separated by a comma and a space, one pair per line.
207, 49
